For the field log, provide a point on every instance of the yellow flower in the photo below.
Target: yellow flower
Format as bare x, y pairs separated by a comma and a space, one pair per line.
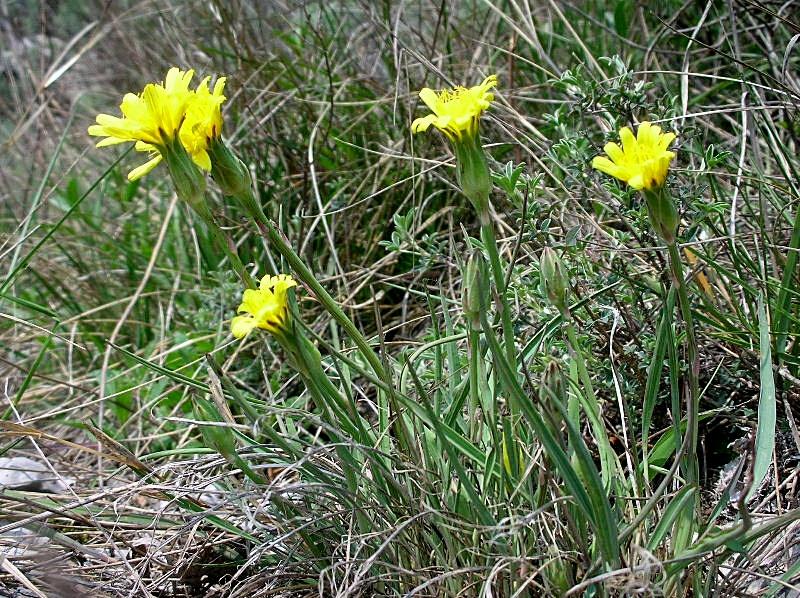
266, 307
643, 161
456, 111
163, 113
151, 119
203, 121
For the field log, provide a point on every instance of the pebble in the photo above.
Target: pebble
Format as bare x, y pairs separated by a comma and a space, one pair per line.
22, 473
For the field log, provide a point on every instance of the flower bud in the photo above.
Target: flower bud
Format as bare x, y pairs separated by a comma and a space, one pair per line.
552, 390
230, 173
663, 214
553, 278
233, 177
475, 289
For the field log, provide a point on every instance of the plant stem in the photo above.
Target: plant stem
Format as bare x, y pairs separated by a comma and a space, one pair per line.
475, 403
509, 344
686, 523
227, 245
278, 242
490, 242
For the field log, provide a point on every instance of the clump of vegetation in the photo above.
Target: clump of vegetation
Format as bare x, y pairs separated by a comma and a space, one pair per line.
478, 299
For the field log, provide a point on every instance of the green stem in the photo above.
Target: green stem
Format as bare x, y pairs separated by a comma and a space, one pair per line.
509, 344
278, 242
346, 411
227, 245
490, 242
235, 181
474, 388
686, 454
686, 523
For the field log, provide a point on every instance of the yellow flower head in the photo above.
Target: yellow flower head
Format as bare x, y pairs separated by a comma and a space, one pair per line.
456, 111
643, 161
203, 121
162, 113
266, 307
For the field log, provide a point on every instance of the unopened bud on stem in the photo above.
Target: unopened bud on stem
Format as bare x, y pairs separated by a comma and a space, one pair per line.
233, 177
475, 289
553, 278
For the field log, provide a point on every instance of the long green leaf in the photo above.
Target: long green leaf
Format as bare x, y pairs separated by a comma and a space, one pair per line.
665, 446
172, 374
765, 432
30, 305
466, 481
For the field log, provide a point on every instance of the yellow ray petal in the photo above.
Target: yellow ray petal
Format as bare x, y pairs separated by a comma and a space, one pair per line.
142, 170
242, 325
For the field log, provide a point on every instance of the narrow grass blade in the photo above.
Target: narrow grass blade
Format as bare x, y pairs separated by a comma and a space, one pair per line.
30, 305
176, 376
676, 506
466, 481
24, 261
665, 446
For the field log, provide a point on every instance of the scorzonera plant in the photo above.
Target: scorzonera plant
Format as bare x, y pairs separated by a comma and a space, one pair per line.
457, 477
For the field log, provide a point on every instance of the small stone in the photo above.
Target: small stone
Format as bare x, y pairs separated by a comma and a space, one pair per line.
22, 473
20, 542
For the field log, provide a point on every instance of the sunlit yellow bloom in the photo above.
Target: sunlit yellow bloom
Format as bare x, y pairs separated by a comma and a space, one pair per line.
642, 161
456, 111
151, 119
163, 113
203, 121
266, 307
